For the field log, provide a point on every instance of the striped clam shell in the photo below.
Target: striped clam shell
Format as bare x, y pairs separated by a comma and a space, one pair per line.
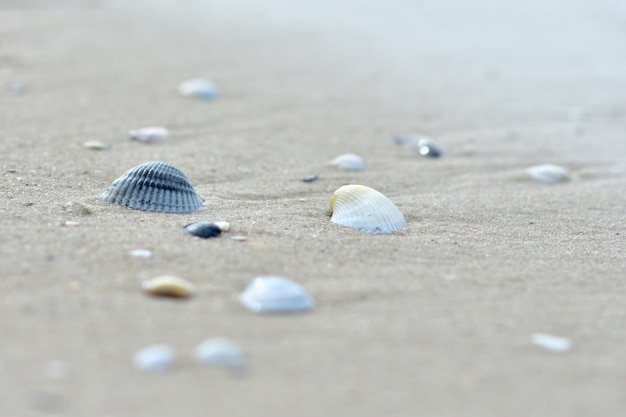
365, 209
154, 186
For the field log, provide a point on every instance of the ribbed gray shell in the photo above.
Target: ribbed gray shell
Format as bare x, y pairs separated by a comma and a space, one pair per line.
154, 186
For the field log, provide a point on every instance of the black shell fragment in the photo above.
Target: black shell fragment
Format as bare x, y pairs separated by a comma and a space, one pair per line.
203, 229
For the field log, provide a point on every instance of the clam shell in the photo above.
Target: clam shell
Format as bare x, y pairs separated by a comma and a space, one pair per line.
365, 209
199, 88
151, 134
220, 352
154, 186
203, 229
155, 358
422, 144
348, 162
271, 294
548, 174
169, 286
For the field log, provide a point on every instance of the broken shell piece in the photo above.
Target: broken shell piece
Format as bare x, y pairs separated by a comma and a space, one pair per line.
220, 352
223, 226
548, 174
97, 145
152, 134
348, 162
310, 178
365, 209
203, 229
199, 88
551, 343
141, 253
154, 186
155, 358
78, 208
271, 294
417, 142
169, 286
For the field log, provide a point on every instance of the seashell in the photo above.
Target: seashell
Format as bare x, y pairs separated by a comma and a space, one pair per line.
203, 229
169, 286
15, 88
223, 226
97, 145
551, 343
271, 294
220, 352
199, 88
155, 358
365, 209
154, 186
422, 144
141, 253
310, 178
152, 134
548, 174
348, 162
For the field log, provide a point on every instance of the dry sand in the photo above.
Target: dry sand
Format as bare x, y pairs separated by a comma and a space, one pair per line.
434, 320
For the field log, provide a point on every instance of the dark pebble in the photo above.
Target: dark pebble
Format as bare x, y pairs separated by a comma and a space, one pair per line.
204, 229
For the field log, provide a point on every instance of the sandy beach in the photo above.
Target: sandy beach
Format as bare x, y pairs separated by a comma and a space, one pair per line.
435, 319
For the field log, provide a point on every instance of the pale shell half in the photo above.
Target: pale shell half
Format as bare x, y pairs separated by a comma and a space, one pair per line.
365, 209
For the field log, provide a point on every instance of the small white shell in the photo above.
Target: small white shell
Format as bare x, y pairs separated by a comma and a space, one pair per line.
97, 145
199, 88
271, 294
154, 186
348, 162
548, 174
551, 343
169, 286
155, 358
152, 134
220, 352
365, 209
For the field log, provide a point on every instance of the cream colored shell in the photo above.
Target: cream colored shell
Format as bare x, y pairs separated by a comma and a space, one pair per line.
169, 286
365, 209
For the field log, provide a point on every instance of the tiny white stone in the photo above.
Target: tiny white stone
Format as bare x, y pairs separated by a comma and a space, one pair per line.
152, 134
548, 173
220, 352
239, 238
348, 162
224, 226
141, 253
271, 294
551, 343
199, 88
155, 358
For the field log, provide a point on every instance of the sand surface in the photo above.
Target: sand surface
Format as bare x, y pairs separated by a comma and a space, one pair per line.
433, 320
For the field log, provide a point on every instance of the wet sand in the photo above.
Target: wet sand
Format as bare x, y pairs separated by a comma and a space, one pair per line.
435, 319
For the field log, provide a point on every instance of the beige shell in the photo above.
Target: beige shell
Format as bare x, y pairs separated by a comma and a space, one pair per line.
365, 209
169, 286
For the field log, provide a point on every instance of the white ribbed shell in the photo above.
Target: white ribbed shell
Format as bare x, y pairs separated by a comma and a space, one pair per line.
548, 173
272, 294
365, 209
154, 186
